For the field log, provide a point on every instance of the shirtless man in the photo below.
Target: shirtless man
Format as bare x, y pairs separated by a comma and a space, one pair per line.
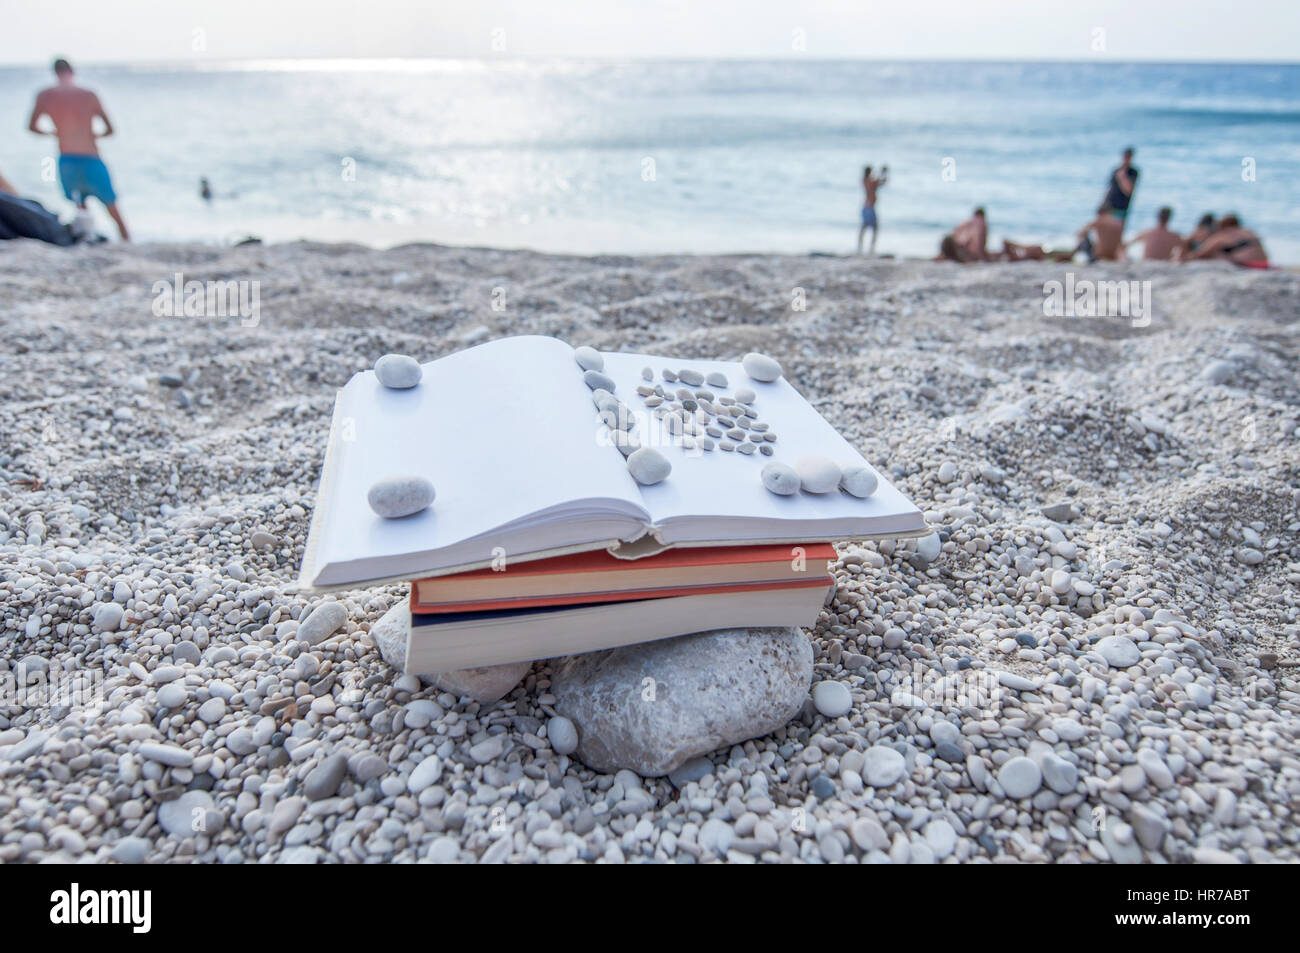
870, 185
967, 242
1158, 243
73, 111
1108, 243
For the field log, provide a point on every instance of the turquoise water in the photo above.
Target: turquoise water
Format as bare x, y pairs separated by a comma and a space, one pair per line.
674, 156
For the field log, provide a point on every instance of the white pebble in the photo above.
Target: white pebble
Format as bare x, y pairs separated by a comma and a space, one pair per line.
598, 381
172, 695
648, 466
832, 699
929, 547
398, 371
212, 711
563, 735
323, 622
760, 367
425, 775
882, 766
108, 616
589, 359
780, 478
1119, 651
398, 496
817, 474
169, 755
859, 481
1020, 778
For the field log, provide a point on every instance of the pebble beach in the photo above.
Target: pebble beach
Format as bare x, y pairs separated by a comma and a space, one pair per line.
1094, 658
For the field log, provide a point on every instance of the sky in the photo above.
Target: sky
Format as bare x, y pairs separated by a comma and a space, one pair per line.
169, 30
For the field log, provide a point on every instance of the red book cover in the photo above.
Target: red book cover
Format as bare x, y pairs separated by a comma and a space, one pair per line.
818, 579
532, 575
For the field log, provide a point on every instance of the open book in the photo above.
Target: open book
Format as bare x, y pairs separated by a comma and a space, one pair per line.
523, 468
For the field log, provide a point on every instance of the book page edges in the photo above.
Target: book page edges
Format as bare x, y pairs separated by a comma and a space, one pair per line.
648, 544
320, 506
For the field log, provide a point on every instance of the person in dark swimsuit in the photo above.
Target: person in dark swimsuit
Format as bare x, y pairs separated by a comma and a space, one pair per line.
1120, 188
1203, 230
1233, 242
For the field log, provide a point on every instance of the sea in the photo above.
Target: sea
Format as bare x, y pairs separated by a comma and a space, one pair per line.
606, 157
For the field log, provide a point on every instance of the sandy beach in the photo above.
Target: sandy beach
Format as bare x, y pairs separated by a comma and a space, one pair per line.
157, 477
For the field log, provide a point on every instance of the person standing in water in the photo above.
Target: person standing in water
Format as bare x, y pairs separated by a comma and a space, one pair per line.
73, 111
870, 185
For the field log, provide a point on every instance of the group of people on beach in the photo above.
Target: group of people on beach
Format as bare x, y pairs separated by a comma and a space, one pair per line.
74, 110
1101, 239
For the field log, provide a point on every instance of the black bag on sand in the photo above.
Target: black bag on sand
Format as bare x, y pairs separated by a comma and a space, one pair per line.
25, 218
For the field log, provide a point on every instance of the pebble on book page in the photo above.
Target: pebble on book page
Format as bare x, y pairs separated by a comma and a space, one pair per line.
859, 481
398, 371
781, 478
696, 419
818, 474
596, 380
397, 496
589, 358
648, 466
761, 367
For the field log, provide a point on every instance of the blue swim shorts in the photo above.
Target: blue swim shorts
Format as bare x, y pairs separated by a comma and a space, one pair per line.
86, 176
868, 217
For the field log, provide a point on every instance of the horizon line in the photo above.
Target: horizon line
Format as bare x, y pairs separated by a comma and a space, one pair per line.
199, 61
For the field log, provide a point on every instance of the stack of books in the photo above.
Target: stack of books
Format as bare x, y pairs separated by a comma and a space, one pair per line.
540, 542
571, 604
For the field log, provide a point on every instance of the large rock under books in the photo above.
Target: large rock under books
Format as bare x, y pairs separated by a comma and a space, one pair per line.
484, 685
650, 708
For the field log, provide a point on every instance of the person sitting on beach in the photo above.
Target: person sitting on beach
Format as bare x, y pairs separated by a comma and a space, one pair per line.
1203, 230
73, 111
27, 218
1120, 188
1014, 251
967, 242
1102, 239
1158, 242
871, 185
1234, 242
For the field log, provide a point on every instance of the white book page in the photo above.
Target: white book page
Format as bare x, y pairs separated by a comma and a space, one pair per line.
716, 490
505, 431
